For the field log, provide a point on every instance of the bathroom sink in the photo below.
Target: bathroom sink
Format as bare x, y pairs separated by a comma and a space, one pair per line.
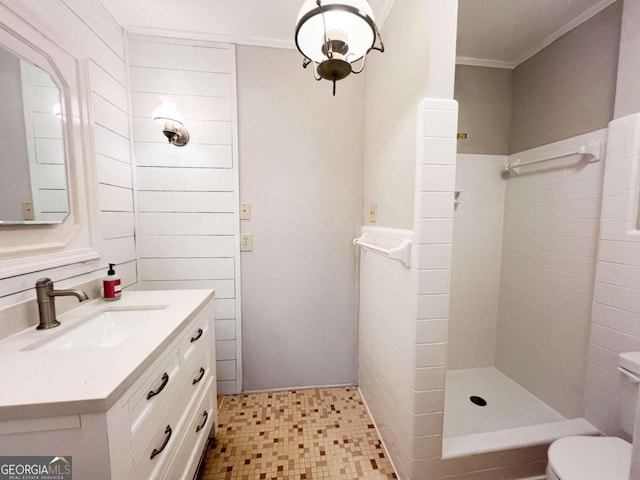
106, 328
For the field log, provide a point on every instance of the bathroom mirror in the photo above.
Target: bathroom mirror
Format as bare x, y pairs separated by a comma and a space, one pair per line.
65, 230
33, 182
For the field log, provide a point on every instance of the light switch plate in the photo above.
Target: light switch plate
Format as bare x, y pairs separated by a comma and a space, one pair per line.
245, 211
246, 242
373, 212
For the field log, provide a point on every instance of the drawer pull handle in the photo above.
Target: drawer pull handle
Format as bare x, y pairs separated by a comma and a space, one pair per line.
206, 417
197, 337
157, 451
165, 380
197, 380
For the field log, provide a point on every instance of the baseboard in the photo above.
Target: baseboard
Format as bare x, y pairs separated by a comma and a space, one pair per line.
375, 425
306, 387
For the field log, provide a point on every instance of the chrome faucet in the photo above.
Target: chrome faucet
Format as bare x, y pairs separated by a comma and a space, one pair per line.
46, 302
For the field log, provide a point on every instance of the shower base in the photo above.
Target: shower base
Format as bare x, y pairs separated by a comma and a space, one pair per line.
512, 417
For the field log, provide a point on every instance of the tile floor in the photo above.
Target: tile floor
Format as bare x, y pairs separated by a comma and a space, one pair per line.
319, 434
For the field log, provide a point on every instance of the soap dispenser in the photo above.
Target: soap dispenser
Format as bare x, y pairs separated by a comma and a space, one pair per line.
112, 288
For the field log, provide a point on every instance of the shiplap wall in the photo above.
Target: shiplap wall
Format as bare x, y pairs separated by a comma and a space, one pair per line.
87, 27
187, 196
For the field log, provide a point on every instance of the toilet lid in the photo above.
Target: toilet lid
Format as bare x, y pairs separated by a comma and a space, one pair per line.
590, 458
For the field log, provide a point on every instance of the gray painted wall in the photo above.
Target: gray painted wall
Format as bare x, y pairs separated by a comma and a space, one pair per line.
301, 168
484, 98
569, 87
628, 93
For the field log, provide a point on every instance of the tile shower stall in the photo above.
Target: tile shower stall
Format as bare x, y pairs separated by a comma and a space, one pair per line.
529, 314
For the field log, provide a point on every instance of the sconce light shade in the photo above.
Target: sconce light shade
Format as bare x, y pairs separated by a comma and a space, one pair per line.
173, 121
57, 110
335, 35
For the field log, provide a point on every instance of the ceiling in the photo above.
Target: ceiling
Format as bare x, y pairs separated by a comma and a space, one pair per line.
255, 22
507, 32
490, 32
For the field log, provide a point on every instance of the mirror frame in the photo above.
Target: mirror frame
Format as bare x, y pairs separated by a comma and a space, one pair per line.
29, 248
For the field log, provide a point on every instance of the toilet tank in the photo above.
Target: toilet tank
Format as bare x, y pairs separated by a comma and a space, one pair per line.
629, 366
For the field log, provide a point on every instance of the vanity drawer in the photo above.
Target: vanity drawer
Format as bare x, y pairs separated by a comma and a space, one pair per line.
152, 392
185, 462
197, 336
196, 380
151, 458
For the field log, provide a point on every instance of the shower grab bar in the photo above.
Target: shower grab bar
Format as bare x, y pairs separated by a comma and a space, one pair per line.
401, 253
591, 151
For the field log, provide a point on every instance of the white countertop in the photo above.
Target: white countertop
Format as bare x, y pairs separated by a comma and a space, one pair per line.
44, 383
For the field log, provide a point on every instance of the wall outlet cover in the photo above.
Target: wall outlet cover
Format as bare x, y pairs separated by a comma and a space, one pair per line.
27, 211
246, 242
245, 211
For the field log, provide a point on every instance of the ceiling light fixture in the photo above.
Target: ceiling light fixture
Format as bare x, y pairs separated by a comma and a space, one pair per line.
336, 36
173, 121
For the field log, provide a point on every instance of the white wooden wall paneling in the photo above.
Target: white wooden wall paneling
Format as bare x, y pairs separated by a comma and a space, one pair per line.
186, 224
202, 132
117, 224
187, 197
87, 27
164, 81
115, 199
109, 116
191, 106
225, 330
184, 179
185, 246
106, 86
102, 24
177, 57
113, 172
200, 202
187, 268
82, 33
111, 144
198, 155
225, 289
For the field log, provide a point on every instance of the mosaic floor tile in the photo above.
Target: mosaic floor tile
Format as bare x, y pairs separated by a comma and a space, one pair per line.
315, 434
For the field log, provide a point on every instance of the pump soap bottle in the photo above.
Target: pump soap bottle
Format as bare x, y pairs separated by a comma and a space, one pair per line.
112, 288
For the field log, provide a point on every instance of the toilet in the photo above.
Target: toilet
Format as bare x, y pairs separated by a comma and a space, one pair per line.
598, 458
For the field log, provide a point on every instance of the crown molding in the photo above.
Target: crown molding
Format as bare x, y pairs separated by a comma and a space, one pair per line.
213, 37
484, 62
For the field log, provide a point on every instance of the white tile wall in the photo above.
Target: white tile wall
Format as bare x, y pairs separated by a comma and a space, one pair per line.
477, 253
187, 196
616, 310
404, 312
551, 221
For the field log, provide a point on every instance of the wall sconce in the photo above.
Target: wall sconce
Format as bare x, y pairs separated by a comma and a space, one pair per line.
173, 121
57, 110
336, 36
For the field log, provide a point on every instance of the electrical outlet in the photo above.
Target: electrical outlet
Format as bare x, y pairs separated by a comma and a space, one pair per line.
245, 211
27, 211
373, 212
246, 242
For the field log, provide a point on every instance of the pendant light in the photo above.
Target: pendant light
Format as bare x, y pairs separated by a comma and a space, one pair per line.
336, 36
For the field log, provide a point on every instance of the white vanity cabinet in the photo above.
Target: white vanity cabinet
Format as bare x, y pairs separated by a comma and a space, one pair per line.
156, 429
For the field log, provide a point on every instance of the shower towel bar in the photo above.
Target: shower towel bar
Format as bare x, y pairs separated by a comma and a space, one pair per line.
401, 253
592, 152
